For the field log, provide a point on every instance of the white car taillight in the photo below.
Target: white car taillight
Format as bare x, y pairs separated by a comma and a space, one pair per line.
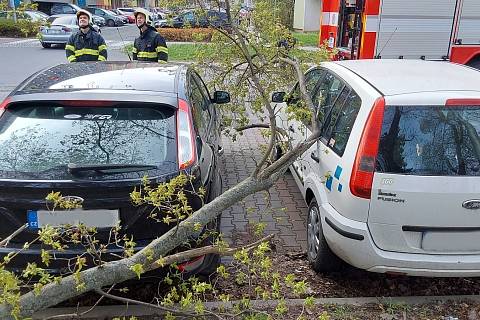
185, 141
364, 167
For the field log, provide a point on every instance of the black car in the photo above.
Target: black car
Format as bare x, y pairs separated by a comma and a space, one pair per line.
111, 18
92, 131
195, 19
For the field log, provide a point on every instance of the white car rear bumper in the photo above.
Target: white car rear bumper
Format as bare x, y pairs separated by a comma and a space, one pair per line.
351, 241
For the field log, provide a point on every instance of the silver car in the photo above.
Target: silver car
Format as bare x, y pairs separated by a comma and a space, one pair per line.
60, 29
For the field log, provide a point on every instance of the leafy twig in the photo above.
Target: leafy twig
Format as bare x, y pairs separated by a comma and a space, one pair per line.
5, 241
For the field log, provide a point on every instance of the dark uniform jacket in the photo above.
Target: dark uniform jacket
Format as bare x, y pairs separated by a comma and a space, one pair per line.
150, 46
88, 46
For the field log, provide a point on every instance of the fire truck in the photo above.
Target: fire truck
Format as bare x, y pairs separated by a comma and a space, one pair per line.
403, 29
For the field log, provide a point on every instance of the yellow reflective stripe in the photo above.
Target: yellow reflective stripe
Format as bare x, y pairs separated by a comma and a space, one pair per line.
101, 58
143, 54
102, 47
162, 49
134, 50
71, 58
81, 52
70, 47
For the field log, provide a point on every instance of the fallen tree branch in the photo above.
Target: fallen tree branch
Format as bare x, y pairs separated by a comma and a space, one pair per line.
5, 241
252, 126
153, 306
192, 253
79, 314
120, 270
303, 88
260, 125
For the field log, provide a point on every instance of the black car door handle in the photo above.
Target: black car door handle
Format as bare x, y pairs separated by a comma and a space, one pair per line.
314, 157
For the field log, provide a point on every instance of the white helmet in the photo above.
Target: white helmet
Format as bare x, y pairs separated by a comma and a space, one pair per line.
84, 12
146, 13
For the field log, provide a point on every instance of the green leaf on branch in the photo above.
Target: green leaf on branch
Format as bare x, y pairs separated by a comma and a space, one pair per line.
137, 269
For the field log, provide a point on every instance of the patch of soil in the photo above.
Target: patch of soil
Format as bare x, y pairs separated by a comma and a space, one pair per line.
352, 282
442, 311
349, 282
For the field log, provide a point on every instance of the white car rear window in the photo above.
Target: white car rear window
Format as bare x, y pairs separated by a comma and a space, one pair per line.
430, 140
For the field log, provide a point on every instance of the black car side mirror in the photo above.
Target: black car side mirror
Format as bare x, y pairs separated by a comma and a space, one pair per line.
278, 97
221, 97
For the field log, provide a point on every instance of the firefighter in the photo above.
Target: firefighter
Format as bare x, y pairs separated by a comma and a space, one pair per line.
150, 45
86, 44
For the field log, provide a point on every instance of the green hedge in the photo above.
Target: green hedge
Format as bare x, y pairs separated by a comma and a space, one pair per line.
23, 28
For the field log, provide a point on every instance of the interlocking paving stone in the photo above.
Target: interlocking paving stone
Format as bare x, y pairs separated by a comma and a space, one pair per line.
288, 225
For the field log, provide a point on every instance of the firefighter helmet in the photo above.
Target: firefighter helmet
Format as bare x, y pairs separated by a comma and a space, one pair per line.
86, 13
146, 13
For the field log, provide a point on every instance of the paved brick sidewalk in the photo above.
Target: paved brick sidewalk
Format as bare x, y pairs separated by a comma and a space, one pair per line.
286, 216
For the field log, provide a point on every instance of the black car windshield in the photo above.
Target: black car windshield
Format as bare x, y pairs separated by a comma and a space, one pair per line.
41, 140
430, 140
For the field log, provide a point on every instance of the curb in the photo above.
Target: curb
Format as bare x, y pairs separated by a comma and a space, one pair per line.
105, 312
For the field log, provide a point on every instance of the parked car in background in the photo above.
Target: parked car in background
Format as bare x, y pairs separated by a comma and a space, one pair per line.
54, 8
126, 10
124, 18
195, 19
99, 21
60, 29
39, 13
51, 8
130, 17
64, 8
165, 124
111, 18
393, 183
158, 13
30, 15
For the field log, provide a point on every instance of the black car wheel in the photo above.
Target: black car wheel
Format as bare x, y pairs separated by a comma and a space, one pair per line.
46, 45
321, 258
110, 23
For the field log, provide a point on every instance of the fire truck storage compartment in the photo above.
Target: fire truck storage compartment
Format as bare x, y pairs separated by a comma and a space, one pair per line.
415, 28
469, 23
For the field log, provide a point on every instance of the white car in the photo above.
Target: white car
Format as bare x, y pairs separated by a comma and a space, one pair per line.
393, 184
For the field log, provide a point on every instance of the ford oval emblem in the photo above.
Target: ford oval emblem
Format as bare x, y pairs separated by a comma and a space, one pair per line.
471, 204
75, 199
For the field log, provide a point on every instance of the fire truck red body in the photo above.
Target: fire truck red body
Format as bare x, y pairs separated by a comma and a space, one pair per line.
403, 29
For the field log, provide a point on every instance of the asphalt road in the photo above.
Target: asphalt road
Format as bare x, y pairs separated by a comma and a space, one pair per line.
127, 33
21, 58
